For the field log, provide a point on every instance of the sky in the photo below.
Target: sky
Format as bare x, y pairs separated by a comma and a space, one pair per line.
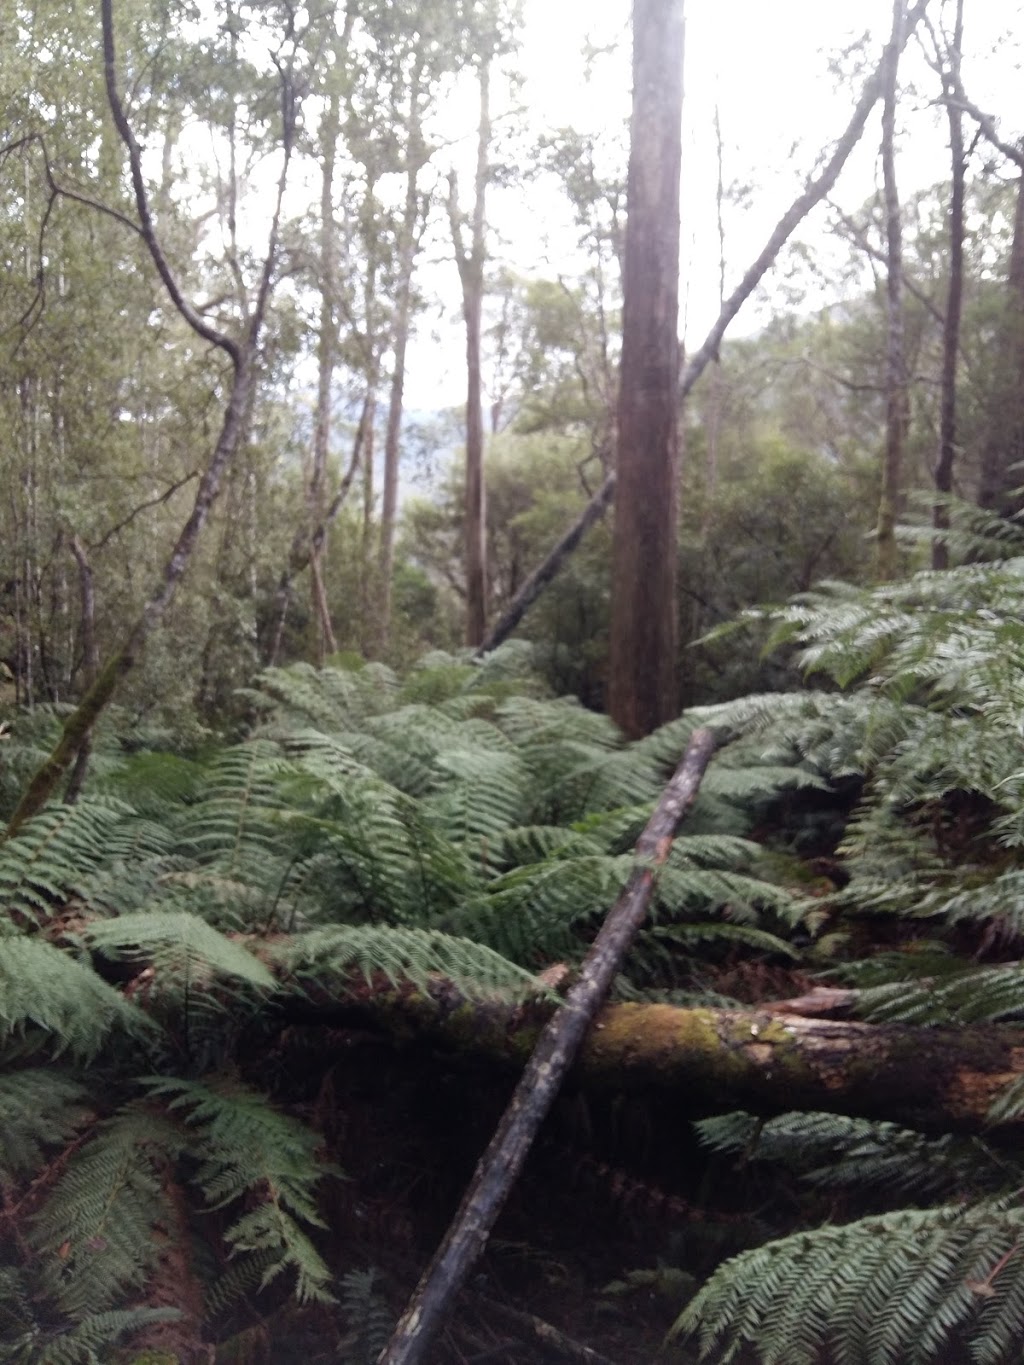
771, 70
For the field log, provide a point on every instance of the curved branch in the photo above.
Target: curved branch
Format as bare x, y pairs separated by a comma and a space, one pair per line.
147, 227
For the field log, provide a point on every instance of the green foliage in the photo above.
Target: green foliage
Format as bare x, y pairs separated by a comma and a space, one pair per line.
246, 1148
456, 826
918, 706
899, 1289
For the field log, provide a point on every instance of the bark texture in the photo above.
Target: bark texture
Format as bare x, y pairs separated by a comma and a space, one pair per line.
768, 1060
642, 691
409, 241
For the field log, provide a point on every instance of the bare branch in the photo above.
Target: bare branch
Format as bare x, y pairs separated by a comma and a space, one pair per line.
161, 498
817, 189
147, 227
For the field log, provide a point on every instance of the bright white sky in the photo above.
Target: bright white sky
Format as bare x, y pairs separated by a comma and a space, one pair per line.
766, 63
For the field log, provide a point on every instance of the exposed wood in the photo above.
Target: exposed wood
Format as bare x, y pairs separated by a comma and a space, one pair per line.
642, 688
545, 1072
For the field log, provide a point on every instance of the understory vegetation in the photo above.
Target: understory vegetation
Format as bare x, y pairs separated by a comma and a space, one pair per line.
170, 935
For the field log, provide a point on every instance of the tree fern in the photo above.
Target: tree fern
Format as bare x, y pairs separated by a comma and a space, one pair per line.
903, 1288
248, 1149
329, 957
95, 1230
40, 1108
54, 1001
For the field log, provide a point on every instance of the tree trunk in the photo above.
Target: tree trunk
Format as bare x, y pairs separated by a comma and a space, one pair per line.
896, 404
546, 1070
815, 192
1003, 447
303, 548
535, 584
642, 691
408, 247
326, 350
470, 261
90, 659
954, 296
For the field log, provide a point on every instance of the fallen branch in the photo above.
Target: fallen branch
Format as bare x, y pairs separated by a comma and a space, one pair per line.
546, 1070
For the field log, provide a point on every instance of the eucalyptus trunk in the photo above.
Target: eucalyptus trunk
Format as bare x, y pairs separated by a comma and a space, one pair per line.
642, 689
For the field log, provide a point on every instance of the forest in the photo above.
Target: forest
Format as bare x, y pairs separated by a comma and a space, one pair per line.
511, 683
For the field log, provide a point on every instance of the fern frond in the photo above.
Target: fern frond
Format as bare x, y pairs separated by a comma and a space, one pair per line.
836, 1151
897, 1289
183, 950
247, 1148
96, 1228
40, 1108
90, 1341
53, 853
45, 989
328, 957
368, 1318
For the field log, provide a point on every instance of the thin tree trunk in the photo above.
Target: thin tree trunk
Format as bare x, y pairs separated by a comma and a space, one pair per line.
408, 247
642, 689
90, 660
539, 1085
326, 351
818, 189
302, 549
470, 262
954, 296
78, 726
896, 396
1003, 447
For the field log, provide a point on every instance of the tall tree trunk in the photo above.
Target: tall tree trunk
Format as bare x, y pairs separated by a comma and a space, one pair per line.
326, 351
954, 294
470, 262
408, 247
815, 191
642, 691
896, 398
1003, 447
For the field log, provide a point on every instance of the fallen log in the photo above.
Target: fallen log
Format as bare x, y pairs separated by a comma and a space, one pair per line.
933, 1078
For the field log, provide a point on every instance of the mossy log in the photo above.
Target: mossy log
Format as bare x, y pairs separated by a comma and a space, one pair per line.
715, 1059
